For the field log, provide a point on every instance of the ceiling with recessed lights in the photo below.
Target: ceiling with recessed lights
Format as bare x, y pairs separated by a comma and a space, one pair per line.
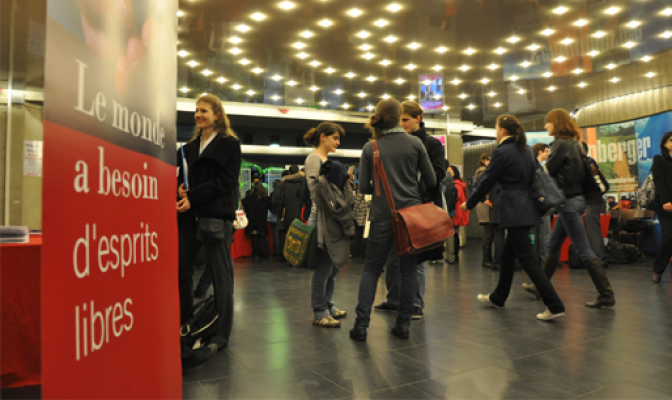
470, 59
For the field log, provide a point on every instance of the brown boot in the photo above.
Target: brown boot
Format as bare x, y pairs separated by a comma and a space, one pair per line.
549, 267
606, 293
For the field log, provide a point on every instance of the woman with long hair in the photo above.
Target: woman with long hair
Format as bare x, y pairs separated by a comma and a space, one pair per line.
402, 155
662, 179
325, 139
513, 167
566, 165
207, 208
256, 205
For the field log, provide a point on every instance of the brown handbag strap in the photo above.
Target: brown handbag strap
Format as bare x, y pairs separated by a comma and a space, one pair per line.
379, 174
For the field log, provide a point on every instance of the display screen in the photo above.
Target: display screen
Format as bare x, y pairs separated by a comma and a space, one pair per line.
431, 92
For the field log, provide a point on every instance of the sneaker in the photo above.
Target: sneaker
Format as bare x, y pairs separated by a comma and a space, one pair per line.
417, 313
384, 307
548, 315
655, 277
531, 289
485, 299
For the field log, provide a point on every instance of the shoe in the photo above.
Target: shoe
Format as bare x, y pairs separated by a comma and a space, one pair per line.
548, 315
400, 331
358, 333
655, 277
327, 322
488, 262
385, 307
485, 299
199, 357
417, 313
531, 289
338, 314
601, 302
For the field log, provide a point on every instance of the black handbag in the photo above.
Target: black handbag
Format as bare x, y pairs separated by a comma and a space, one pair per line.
591, 189
210, 230
545, 192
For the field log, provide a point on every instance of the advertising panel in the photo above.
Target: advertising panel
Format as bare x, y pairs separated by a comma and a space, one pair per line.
110, 312
431, 92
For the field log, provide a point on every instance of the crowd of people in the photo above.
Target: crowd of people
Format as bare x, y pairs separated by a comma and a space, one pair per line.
418, 172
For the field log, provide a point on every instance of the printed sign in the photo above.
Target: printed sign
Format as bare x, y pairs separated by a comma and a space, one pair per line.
32, 158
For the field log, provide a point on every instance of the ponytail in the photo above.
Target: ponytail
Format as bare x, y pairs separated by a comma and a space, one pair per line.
513, 128
312, 137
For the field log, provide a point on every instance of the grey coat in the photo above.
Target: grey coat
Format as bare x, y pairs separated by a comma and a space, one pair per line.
335, 220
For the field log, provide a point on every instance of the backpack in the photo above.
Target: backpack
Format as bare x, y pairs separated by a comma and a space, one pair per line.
646, 195
574, 259
619, 253
202, 324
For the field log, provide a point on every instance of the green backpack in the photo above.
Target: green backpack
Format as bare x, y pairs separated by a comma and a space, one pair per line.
301, 242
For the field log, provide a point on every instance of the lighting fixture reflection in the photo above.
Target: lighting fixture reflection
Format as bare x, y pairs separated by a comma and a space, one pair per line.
552, 88
548, 74
235, 40
650, 75
599, 34
370, 107
471, 106
394, 7
646, 58
250, 92
667, 12
581, 22
411, 67
385, 96
582, 84
236, 87
235, 51
533, 47
463, 96
513, 39
390, 39
612, 10
329, 70
350, 75
614, 79
299, 45
276, 77
437, 96
368, 56
243, 28
286, 5
365, 47
426, 82
324, 103
666, 35
445, 108
354, 12
633, 24
561, 59
381, 23
437, 68
547, 32
184, 89
307, 34
399, 81
275, 97
455, 81
257, 70
302, 55
513, 78
345, 105
498, 104
525, 64
371, 78
629, 45
258, 16
325, 23
314, 63
577, 71
566, 41
314, 88
469, 51
593, 53
485, 81
244, 61
414, 46
180, 13
492, 94
192, 63
500, 50
363, 34
464, 67
361, 94
611, 66
560, 10
411, 97
441, 49
182, 53
386, 62
291, 83
221, 79
521, 91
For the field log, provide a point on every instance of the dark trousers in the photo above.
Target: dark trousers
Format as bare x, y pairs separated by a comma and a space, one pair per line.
358, 244
591, 222
518, 245
219, 257
259, 245
492, 234
665, 245
206, 278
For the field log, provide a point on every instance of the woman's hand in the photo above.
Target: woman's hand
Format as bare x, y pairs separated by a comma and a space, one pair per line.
667, 207
463, 207
489, 203
182, 192
183, 205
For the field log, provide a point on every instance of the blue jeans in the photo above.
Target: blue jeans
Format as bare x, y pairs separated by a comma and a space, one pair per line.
379, 246
322, 291
392, 281
570, 223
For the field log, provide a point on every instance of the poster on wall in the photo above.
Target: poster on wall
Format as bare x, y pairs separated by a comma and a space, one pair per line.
110, 313
431, 92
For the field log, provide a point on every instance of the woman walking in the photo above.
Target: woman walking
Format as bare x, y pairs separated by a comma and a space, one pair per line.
565, 164
256, 205
513, 167
662, 179
402, 156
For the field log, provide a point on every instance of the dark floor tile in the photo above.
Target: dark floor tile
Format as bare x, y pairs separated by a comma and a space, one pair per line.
658, 380
289, 383
280, 355
220, 365
627, 391
494, 383
635, 349
195, 391
375, 372
401, 393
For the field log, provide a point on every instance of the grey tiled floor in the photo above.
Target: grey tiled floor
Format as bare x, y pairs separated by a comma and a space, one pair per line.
459, 350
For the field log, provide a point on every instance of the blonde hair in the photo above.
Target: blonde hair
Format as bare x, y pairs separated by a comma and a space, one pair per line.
222, 124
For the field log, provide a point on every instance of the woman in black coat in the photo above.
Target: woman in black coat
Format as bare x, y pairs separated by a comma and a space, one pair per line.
662, 179
207, 207
256, 205
513, 166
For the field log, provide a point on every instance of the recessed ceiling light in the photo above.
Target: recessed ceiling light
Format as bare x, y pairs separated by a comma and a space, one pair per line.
547, 32
441, 49
291, 83
411, 67
500, 50
650, 75
533, 47
365, 47
437, 67
552, 88
567, 41
363, 34
521, 91
324, 103
455, 81
471, 106
236, 87
437, 96
593, 53
577, 71
394, 7
182, 53
314, 88
371, 78
361, 94
646, 58
350, 75
560, 10
513, 78
257, 70
307, 34
513, 39
275, 97
299, 100
414, 46
525, 64
469, 51
614, 79
611, 66
492, 94
329, 70
276, 77
184, 89
235, 51
411, 97
666, 35
599, 34
399, 81
381, 22
345, 105
325, 23
354, 12
221, 79
390, 39
258, 16
180, 13
370, 107
629, 45
244, 61
286, 5
243, 28
426, 82
385, 96
299, 45
302, 55
582, 84
464, 67
612, 10
314, 63
192, 63
463, 96
445, 108
561, 59
581, 22
548, 74
250, 92
485, 81
633, 24
235, 40
386, 62
667, 12
368, 56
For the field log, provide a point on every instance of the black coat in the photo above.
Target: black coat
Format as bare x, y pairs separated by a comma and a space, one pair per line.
256, 210
289, 201
662, 179
213, 177
565, 164
514, 170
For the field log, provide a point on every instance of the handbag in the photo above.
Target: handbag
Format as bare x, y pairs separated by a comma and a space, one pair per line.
646, 195
483, 213
417, 228
301, 242
241, 220
210, 230
544, 191
591, 189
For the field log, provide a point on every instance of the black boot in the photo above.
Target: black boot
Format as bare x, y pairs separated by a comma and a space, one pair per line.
487, 257
605, 297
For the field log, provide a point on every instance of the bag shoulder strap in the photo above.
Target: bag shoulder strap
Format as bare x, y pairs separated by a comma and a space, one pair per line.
379, 174
302, 196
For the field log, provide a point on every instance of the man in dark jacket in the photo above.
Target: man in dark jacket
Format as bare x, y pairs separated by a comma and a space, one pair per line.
288, 206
